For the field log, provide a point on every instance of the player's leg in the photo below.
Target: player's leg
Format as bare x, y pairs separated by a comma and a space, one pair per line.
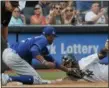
3, 46
21, 67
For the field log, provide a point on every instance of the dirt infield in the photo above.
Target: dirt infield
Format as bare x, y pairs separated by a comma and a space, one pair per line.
61, 84
65, 83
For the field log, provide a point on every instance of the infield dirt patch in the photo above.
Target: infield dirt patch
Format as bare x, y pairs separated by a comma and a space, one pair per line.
65, 83
60, 84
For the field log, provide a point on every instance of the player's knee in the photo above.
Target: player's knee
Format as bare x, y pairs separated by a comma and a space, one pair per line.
7, 59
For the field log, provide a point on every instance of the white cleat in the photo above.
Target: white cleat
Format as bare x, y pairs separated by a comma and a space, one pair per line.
5, 79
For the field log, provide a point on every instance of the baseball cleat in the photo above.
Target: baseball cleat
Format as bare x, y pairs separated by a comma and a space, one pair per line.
5, 79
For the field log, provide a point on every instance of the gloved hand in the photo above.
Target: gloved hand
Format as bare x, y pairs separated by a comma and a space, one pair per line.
71, 63
75, 72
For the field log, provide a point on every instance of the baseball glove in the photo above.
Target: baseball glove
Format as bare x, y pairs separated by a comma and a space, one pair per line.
70, 61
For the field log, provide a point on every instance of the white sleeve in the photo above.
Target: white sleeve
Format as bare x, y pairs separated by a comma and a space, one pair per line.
86, 61
89, 16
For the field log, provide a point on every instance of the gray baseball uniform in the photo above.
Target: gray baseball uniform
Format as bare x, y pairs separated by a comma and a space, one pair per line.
91, 64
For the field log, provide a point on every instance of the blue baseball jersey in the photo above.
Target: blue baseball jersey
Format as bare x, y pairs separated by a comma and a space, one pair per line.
31, 47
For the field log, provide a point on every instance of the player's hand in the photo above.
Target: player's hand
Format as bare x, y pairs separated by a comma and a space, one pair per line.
107, 45
44, 62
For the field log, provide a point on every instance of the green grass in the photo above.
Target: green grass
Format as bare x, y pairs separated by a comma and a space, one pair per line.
48, 75
52, 75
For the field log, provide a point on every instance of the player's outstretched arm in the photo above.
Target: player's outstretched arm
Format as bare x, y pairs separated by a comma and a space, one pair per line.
36, 54
44, 62
103, 53
63, 68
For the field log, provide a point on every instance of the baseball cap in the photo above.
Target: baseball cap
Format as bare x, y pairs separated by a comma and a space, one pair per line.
49, 30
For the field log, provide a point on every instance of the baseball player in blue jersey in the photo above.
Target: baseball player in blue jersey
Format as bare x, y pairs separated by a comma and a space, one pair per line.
19, 56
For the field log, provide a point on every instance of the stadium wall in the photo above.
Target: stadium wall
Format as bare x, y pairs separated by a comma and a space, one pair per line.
79, 40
